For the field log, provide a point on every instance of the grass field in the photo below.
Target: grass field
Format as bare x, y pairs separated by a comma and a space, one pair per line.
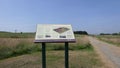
23, 53
113, 39
16, 35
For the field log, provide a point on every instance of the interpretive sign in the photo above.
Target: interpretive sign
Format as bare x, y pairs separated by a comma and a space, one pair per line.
54, 33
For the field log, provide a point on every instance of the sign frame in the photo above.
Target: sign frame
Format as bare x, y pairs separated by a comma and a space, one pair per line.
56, 40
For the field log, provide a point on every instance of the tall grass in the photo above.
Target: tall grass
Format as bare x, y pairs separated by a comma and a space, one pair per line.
81, 54
20, 49
18, 46
112, 39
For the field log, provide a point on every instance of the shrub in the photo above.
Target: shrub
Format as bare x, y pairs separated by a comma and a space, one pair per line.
20, 49
25, 48
5, 52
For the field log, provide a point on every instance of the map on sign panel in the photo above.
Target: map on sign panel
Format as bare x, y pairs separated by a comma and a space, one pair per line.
61, 30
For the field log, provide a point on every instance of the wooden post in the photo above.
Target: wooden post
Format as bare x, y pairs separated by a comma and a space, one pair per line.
43, 55
66, 55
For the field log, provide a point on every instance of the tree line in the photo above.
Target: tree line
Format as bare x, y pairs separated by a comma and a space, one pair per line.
81, 32
110, 33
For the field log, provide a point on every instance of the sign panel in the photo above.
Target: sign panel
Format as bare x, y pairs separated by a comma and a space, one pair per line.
54, 33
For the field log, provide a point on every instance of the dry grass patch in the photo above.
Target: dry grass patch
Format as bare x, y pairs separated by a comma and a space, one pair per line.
111, 39
55, 59
11, 42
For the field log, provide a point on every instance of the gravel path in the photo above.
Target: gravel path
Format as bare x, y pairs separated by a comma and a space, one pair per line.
109, 53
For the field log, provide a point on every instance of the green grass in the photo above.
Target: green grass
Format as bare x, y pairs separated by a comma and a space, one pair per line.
26, 48
22, 35
16, 35
20, 49
72, 47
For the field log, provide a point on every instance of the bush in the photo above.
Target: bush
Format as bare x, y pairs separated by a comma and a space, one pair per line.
20, 49
24, 48
5, 52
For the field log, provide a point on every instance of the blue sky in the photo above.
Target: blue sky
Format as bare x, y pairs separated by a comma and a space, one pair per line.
93, 16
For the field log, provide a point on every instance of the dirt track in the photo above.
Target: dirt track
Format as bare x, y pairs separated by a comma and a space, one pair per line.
110, 54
